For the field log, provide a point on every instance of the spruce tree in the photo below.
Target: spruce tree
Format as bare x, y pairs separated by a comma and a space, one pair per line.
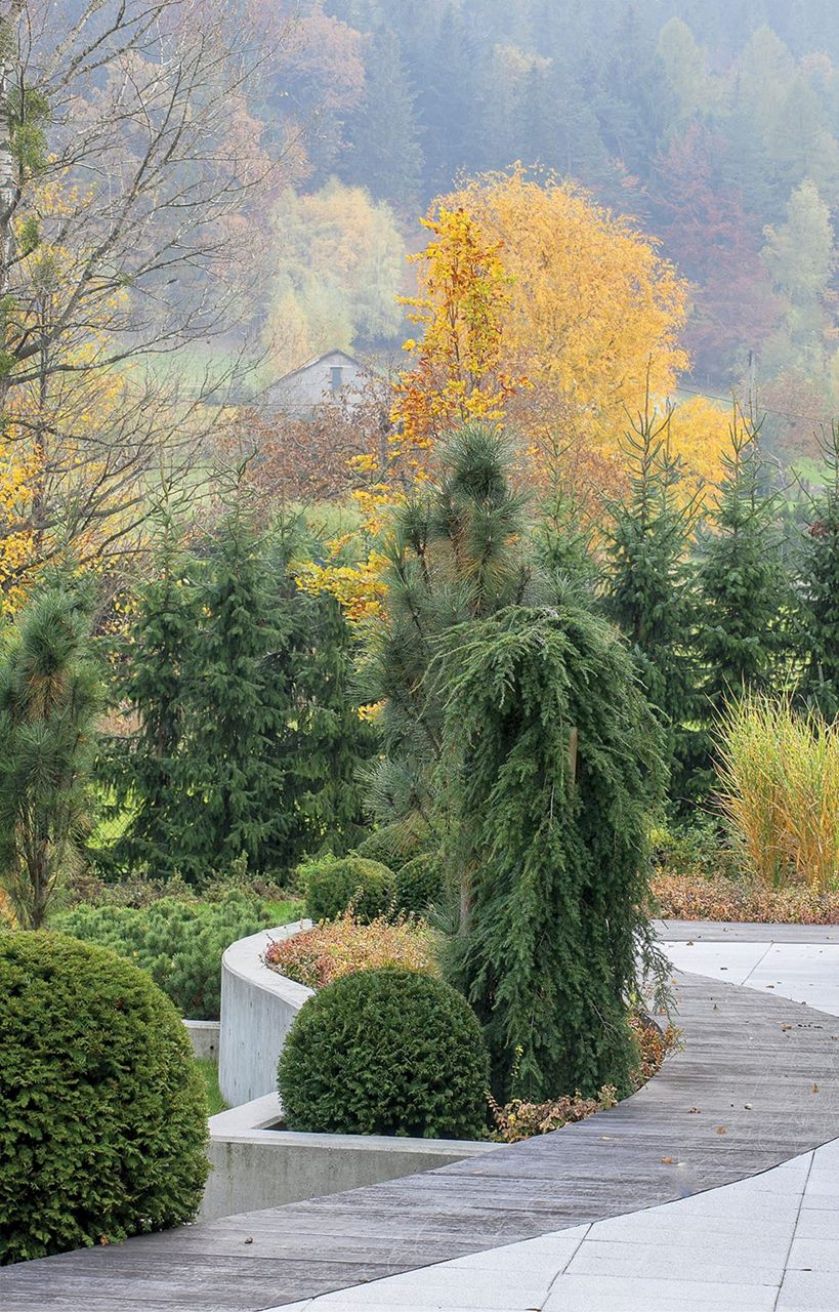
323, 789
741, 582
240, 709
647, 585
818, 588
49, 700
247, 740
148, 767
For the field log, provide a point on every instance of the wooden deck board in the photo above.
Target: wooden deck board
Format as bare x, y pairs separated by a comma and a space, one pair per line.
740, 1047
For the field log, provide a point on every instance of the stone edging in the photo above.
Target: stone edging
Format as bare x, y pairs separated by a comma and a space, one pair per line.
256, 1166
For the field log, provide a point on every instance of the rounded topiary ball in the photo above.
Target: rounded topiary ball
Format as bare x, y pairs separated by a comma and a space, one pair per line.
335, 884
419, 884
386, 1051
103, 1116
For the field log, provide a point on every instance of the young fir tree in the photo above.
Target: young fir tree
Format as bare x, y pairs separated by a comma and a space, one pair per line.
647, 585
551, 766
240, 709
149, 767
818, 587
248, 741
741, 583
49, 700
323, 788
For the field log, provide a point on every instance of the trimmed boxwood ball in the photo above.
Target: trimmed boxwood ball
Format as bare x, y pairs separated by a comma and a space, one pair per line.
387, 845
419, 884
386, 1051
103, 1117
332, 884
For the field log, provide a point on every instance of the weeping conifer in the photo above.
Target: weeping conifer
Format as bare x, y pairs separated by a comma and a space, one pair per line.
552, 766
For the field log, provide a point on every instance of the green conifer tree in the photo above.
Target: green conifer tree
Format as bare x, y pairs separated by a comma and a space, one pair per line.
148, 767
741, 582
551, 767
818, 589
49, 699
647, 585
248, 741
457, 553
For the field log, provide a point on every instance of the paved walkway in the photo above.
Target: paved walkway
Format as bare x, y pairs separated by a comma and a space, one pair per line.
769, 1243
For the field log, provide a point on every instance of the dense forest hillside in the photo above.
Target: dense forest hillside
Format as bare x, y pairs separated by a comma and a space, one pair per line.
715, 124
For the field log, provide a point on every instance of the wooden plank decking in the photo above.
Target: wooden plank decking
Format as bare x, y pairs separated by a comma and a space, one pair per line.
756, 1083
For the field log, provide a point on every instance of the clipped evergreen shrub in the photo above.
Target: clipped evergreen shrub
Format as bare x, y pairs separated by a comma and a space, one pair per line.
389, 845
333, 884
419, 884
102, 1107
386, 1051
179, 943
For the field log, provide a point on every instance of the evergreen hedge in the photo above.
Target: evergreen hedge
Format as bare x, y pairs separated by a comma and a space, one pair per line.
386, 1051
102, 1107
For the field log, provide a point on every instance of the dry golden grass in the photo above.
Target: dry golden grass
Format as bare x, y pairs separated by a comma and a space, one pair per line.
779, 791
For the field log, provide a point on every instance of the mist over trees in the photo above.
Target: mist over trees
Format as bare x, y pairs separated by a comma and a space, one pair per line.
714, 125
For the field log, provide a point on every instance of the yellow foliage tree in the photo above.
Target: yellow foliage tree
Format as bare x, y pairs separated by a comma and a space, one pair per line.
463, 299
594, 312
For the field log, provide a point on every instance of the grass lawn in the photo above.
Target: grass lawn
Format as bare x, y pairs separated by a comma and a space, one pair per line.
215, 1102
284, 912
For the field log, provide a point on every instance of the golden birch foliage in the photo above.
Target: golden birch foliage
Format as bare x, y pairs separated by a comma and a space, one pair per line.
463, 298
594, 313
699, 433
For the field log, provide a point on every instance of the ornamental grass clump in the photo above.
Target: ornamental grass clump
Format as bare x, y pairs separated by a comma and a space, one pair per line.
102, 1106
341, 947
387, 1051
779, 791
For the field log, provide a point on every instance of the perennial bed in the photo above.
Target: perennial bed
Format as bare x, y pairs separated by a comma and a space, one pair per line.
718, 897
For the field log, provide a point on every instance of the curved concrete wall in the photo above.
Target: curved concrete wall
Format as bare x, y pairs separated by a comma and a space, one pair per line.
255, 1166
258, 1008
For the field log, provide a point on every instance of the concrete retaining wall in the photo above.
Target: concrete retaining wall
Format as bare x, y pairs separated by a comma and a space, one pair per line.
204, 1037
256, 1167
258, 1008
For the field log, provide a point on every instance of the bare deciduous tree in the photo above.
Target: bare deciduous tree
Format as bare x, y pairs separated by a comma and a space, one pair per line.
128, 167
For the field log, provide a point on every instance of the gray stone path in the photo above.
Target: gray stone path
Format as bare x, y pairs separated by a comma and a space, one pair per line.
769, 1243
